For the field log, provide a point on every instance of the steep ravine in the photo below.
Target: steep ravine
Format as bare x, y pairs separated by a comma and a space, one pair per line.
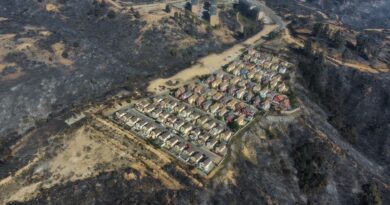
358, 106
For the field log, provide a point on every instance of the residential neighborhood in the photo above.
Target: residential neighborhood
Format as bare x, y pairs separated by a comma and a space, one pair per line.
197, 121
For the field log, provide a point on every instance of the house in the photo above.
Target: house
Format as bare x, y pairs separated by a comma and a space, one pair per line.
186, 95
142, 104
248, 96
125, 118
264, 92
162, 116
210, 144
282, 101
178, 124
225, 99
242, 83
256, 88
221, 148
258, 77
256, 101
172, 141
216, 130
223, 86
232, 104
155, 133
209, 124
185, 129
180, 146
195, 132
148, 128
202, 120
196, 157
213, 109
232, 89
222, 112
216, 83
179, 92
164, 136
186, 112
120, 114
210, 79
275, 67
191, 87
155, 113
171, 104
231, 67
204, 137
274, 83
194, 115
139, 125
251, 74
282, 70
189, 151
207, 104
191, 100
218, 96
199, 89
240, 93
200, 100
211, 92
149, 109
207, 165
219, 75
243, 71
266, 105
236, 71
282, 88
241, 120
158, 99
235, 80
226, 135
132, 121
180, 108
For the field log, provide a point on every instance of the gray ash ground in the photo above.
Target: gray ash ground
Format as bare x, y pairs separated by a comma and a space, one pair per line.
103, 50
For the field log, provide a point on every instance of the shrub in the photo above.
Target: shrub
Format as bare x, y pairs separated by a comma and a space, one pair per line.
370, 195
111, 14
308, 160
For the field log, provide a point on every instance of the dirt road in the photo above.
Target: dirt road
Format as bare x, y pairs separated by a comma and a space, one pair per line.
210, 63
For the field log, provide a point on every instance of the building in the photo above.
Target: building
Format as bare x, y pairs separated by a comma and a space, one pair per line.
214, 17
207, 165
196, 157
195, 8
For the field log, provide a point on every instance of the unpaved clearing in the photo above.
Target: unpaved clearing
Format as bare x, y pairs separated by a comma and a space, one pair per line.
59, 48
82, 157
208, 64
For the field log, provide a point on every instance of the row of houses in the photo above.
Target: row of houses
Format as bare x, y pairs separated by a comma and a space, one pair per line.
219, 104
261, 78
164, 137
191, 124
196, 122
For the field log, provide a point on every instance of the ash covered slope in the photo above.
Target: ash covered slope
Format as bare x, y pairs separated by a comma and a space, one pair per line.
58, 53
359, 14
